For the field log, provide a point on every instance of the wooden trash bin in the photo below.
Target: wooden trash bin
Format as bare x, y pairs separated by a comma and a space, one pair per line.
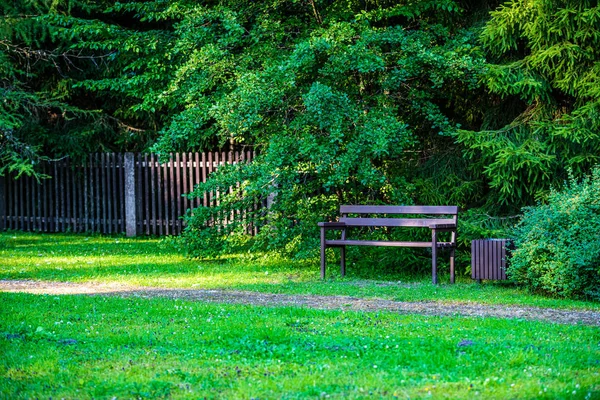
488, 258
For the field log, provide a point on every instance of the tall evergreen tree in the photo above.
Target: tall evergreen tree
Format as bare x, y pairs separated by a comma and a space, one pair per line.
545, 83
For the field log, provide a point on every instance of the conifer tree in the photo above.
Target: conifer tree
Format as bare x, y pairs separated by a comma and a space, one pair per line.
545, 81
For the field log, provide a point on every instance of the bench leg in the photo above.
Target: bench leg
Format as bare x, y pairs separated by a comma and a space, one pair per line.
343, 260
322, 253
434, 277
452, 253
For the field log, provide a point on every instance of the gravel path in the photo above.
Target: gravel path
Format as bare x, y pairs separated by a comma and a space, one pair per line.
561, 316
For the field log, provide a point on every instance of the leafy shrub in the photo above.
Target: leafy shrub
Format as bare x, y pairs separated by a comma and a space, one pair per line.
558, 243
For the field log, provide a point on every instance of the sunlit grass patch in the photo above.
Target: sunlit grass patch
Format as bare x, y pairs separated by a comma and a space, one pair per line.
154, 262
82, 347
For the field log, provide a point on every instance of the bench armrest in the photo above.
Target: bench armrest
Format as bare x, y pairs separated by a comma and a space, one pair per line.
332, 225
443, 226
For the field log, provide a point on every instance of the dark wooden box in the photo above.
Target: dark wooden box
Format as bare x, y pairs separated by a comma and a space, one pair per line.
488, 258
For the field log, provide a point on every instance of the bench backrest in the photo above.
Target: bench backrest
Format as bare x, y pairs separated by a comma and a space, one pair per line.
451, 211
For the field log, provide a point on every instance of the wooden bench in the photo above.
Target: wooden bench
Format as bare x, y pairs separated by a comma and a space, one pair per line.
384, 216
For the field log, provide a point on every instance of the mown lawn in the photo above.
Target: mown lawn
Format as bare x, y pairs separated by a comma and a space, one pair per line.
109, 347
153, 262
99, 347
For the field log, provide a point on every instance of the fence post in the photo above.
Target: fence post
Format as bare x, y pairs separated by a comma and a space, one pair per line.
2, 205
130, 214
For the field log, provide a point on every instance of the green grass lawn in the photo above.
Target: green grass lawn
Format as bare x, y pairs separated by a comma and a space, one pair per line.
153, 262
79, 346
98, 347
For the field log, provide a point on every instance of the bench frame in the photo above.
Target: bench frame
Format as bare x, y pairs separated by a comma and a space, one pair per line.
435, 224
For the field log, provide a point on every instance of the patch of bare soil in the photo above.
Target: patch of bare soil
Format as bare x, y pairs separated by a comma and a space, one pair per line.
433, 308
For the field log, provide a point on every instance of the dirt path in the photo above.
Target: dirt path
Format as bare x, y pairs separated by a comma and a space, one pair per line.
319, 302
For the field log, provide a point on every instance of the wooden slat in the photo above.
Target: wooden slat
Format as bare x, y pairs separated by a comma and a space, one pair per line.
408, 222
173, 204
86, 210
383, 243
184, 178
139, 200
165, 191
115, 206
102, 195
161, 212
191, 174
108, 192
216, 201
204, 173
30, 203
63, 196
38, 206
67, 190
43, 201
95, 186
29, 196
26, 200
153, 193
197, 171
177, 199
431, 210
73, 182
145, 194
123, 214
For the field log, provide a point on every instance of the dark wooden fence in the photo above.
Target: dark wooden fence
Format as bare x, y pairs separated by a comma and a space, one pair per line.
111, 193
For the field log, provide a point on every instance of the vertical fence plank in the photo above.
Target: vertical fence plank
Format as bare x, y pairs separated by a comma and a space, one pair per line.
43, 200
215, 194
101, 194
191, 178
197, 173
38, 205
86, 217
165, 191
138, 191
97, 199
74, 197
184, 184
115, 206
144, 194
26, 202
172, 191
30, 196
36, 202
153, 192
107, 193
177, 198
204, 171
122, 193
69, 200
160, 215
184, 178
63, 200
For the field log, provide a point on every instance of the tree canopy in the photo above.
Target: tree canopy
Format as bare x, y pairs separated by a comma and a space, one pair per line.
360, 101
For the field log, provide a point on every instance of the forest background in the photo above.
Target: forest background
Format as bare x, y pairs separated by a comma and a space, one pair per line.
482, 104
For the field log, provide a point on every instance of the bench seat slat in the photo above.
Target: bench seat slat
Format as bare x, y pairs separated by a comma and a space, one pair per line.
431, 210
409, 222
336, 243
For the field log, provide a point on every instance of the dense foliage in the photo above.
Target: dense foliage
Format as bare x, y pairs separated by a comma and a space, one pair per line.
359, 109
360, 101
558, 243
47, 53
544, 80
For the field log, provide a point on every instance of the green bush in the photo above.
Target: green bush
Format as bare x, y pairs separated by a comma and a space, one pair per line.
558, 243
